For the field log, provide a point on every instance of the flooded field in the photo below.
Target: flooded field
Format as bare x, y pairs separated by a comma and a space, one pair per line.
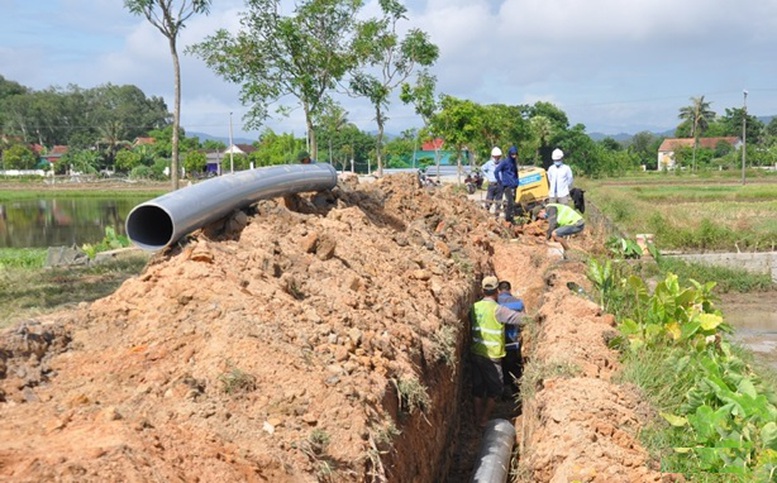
754, 316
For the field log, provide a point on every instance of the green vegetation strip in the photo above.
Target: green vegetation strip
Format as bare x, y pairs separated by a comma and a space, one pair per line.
717, 416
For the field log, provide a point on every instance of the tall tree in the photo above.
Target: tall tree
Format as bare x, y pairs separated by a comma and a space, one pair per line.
303, 55
385, 61
169, 20
698, 115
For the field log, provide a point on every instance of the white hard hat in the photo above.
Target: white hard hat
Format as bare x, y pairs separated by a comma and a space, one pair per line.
557, 154
496, 151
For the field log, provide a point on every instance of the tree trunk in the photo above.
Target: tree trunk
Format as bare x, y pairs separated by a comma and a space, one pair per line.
174, 163
379, 141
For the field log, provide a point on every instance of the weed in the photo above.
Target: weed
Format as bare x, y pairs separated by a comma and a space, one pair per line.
235, 381
464, 264
411, 394
319, 440
444, 345
535, 373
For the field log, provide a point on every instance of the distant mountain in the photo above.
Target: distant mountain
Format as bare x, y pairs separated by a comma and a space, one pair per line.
207, 137
625, 137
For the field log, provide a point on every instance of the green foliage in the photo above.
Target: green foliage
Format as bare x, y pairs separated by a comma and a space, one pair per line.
236, 381
127, 160
674, 344
302, 55
728, 279
111, 241
624, 247
194, 162
22, 258
19, 156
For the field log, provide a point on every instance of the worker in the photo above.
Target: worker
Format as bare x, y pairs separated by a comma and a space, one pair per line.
559, 179
304, 158
506, 174
494, 190
563, 221
487, 350
511, 364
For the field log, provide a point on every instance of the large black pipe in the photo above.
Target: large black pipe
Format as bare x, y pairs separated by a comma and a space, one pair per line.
160, 222
493, 463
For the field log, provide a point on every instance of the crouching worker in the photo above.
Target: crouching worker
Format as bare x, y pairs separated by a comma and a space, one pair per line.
488, 319
512, 365
562, 222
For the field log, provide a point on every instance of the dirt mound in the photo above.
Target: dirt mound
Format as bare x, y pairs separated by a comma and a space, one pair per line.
312, 338
579, 425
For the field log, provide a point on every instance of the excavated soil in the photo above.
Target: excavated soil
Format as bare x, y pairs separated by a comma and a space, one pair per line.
318, 338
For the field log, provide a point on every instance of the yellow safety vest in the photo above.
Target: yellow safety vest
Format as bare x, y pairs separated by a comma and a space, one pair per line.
488, 337
565, 215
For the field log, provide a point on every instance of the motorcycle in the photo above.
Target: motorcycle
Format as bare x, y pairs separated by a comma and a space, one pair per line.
474, 181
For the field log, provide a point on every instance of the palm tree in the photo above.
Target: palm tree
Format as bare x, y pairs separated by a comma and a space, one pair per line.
698, 115
542, 129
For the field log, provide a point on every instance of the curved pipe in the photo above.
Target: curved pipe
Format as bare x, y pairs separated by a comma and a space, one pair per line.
493, 464
158, 223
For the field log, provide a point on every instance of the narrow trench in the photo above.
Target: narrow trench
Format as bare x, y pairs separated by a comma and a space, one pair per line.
470, 435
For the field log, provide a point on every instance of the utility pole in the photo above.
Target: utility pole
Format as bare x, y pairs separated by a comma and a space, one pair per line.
231, 147
744, 135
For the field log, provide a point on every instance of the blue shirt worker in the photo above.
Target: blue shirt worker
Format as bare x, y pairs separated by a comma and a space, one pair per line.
563, 221
559, 179
487, 349
512, 366
506, 174
494, 190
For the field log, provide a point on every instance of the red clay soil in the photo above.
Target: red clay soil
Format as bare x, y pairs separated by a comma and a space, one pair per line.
314, 338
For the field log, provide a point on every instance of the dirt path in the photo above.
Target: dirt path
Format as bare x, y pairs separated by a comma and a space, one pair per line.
317, 338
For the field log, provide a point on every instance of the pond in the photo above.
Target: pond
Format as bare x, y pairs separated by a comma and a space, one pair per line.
62, 221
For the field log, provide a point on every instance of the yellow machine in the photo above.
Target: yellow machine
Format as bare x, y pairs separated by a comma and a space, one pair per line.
532, 188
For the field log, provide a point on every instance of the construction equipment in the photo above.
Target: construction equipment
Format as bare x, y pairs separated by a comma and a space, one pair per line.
532, 188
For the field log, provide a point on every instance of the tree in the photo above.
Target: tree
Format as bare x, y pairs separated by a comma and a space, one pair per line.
698, 115
170, 21
303, 55
385, 62
542, 130
19, 156
644, 145
459, 123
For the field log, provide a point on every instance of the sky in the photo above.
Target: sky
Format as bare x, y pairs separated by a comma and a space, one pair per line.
615, 66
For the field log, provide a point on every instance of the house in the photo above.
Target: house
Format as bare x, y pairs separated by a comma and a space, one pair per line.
430, 150
54, 154
666, 152
216, 158
140, 141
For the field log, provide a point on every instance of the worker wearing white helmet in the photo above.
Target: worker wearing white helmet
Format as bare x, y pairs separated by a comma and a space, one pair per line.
494, 190
559, 178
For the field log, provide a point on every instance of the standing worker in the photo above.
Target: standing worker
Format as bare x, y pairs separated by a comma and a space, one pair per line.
511, 364
494, 191
559, 178
506, 174
562, 221
488, 348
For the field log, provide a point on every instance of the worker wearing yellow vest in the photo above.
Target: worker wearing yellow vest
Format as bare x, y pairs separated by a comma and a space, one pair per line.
562, 221
488, 319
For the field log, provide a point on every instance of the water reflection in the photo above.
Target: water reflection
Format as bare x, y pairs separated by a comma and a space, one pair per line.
754, 318
61, 221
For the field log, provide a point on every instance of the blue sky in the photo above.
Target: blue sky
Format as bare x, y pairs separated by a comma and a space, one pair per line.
613, 65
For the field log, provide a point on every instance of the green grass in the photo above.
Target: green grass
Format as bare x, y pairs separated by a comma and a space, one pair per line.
29, 291
11, 258
7, 195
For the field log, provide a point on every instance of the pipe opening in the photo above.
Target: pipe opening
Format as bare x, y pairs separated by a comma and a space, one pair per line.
150, 227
